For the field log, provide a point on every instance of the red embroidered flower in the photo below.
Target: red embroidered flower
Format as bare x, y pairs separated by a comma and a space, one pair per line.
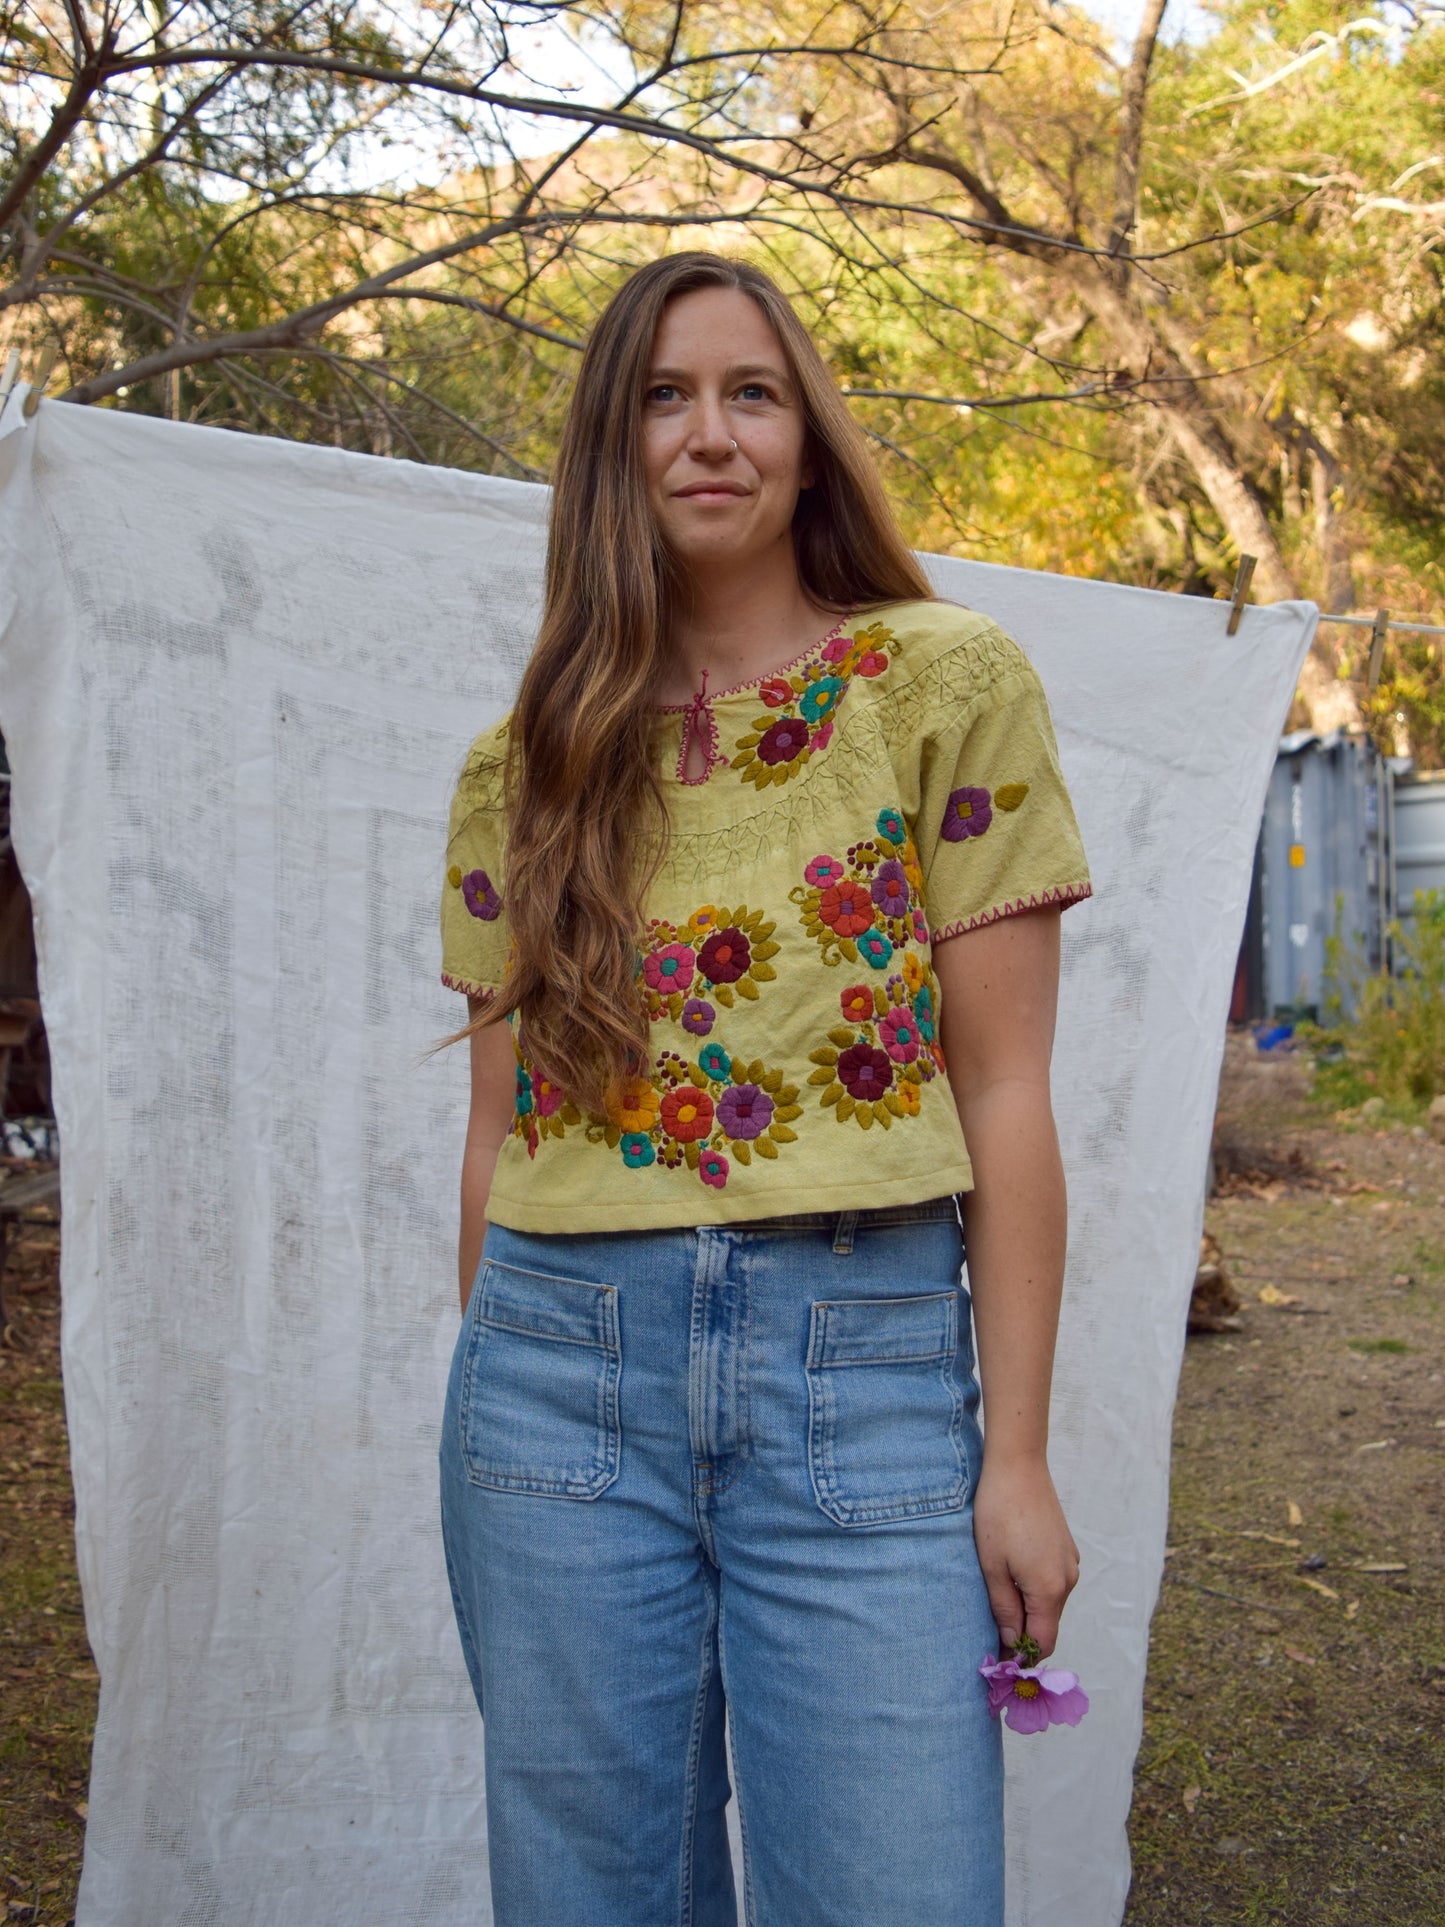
865, 1073
857, 1002
776, 691
846, 908
725, 956
873, 664
687, 1113
784, 741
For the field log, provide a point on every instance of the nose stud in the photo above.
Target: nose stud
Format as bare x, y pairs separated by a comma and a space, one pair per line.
735, 447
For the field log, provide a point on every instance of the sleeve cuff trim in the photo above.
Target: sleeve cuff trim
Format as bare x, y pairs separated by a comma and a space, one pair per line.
483, 993
1064, 895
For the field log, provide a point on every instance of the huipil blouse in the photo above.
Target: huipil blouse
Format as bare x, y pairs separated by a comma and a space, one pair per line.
893, 787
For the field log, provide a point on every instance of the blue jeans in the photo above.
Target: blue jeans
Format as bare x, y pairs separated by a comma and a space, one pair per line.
727, 1468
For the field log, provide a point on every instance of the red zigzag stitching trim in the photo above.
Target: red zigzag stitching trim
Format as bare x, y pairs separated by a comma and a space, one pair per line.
1066, 894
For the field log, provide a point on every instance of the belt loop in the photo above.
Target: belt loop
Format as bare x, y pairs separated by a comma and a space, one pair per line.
843, 1233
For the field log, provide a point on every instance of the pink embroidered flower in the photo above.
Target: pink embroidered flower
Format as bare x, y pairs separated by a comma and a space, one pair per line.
823, 870
872, 664
480, 896
864, 1073
776, 691
786, 740
835, 650
822, 737
725, 956
698, 1016
967, 812
846, 908
890, 888
857, 1002
687, 1113
920, 927
900, 1034
545, 1095
744, 1110
668, 969
712, 1168
1031, 1698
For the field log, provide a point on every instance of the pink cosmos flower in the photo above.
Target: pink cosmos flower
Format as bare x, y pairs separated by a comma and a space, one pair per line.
1031, 1698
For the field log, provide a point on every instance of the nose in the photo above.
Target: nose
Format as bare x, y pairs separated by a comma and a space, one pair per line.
709, 438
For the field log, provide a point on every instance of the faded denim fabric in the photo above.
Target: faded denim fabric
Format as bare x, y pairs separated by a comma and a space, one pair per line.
733, 1466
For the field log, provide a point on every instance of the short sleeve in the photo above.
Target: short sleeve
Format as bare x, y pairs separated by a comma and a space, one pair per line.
475, 937
995, 830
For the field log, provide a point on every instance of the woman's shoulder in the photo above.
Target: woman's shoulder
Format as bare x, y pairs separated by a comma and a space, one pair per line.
946, 650
483, 771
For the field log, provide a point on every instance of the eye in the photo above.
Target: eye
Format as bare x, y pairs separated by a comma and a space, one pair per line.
753, 391
663, 392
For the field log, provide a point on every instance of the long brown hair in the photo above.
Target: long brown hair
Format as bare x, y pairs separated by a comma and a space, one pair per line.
586, 817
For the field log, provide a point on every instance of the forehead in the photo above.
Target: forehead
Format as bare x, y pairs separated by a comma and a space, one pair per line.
716, 325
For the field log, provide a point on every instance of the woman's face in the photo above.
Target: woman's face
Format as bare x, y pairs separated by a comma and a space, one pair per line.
722, 430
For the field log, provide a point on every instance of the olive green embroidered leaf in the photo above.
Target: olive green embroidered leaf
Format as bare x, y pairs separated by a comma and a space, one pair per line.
762, 973
849, 949
747, 742
824, 1076
724, 995
895, 1104
846, 1105
745, 987
843, 1037
761, 724
788, 1105
764, 1147
772, 1083
569, 1113
738, 1071
1010, 796
822, 1055
766, 949
674, 1004
741, 1152
880, 1000
781, 1133
613, 1137
864, 1115
755, 1071
881, 1112
693, 1156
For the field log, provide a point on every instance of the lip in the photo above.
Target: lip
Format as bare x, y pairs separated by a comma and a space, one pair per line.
717, 488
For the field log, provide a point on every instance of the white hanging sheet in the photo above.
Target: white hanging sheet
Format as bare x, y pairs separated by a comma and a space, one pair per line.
237, 679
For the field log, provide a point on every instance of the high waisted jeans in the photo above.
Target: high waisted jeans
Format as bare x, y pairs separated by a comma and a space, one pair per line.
727, 1468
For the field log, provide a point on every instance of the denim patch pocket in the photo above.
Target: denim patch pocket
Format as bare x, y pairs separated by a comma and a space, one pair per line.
538, 1406
885, 1413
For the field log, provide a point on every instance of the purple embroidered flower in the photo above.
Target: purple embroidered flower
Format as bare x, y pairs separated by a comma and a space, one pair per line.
744, 1111
712, 1168
1031, 1698
784, 741
480, 897
864, 1073
890, 888
967, 812
698, 1016
668, 969
823, 870
725, 956
901, 1035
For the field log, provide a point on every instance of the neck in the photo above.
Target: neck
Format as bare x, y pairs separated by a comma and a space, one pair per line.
739, 624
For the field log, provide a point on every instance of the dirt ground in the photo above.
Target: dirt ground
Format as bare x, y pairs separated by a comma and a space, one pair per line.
1293, 1761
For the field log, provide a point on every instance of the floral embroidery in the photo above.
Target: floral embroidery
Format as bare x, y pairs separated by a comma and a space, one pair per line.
713, 1169
777, 747
968, 812
873, 1067
478, 894
717, 955
870, 907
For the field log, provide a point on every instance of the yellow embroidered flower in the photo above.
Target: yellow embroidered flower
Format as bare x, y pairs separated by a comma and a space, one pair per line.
702, 920
909, 1098
912, 971
635, 1106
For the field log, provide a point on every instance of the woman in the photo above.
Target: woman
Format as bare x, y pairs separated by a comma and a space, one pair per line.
744, 873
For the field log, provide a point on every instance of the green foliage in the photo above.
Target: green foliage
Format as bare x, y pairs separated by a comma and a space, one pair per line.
1385, 1034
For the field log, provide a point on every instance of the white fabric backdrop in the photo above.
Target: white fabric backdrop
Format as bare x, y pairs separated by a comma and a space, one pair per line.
237, 680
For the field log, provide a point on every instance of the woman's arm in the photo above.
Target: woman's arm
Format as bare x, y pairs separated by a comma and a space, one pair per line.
999, 995
494, 1070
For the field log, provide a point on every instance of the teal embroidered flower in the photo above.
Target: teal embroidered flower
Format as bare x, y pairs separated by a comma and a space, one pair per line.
923, 1013
637, 1150
891, 825
875, 949
820, 698
714, 1061
524, 1090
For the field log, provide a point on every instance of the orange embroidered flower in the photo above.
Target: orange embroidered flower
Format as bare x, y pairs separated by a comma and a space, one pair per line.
912, 972
846, 908
910, 1098
702, 920
635, 1106
687, 1113
857, 1004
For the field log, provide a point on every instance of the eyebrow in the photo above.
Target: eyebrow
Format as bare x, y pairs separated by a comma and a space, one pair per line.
739, 371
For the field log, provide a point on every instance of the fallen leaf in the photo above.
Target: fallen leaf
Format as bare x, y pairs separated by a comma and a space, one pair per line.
1296, 1517
1375, 1445
1352, 1609
1293, 1652
81, 1809
1315, 1585
1272, 1295
1191, 1797
1381, 1566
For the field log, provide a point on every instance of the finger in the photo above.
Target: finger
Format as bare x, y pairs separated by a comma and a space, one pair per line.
1042, 1611
1007, 1606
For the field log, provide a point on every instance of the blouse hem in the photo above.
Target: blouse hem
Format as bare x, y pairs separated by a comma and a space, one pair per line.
1063, 896
690, 1210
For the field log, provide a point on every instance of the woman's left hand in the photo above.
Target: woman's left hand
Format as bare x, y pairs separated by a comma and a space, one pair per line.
1029, 1559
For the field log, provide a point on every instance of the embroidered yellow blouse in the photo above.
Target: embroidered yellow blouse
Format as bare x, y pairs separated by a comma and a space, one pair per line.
893, 787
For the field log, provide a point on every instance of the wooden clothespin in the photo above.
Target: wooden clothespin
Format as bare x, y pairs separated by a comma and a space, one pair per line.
7, 380
1242, 578
42, 375
1378, 632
